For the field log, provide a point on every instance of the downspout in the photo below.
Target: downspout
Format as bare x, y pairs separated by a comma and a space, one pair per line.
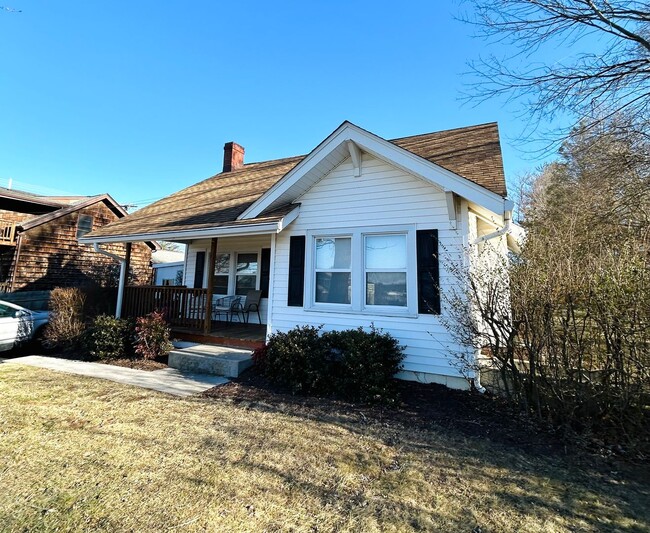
507, 228
120, 286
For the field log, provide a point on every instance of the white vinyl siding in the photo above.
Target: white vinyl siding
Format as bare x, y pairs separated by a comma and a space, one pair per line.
383, 196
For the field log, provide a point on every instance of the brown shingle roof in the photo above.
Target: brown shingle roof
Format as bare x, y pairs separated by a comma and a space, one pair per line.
473, 153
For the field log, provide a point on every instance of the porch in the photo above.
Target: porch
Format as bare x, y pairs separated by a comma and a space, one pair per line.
185, 310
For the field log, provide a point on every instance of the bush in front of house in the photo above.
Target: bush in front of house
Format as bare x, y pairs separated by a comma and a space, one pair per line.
354, 364
152, 336
298, 359
66, 324
108, 337
366, 363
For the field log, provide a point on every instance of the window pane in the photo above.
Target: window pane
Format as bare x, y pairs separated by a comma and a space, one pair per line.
386, 251
245, 284
333, 287
246, 277
221, 284
84, 225
247, 264
333, 253
222, 264
386, 288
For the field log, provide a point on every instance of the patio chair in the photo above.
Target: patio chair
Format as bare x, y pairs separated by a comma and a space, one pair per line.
252, 304
229, 306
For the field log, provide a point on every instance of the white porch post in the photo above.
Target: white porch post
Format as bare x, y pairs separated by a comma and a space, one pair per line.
269, 308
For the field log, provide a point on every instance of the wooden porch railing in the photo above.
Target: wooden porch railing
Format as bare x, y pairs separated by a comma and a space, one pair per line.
8, 234
183, 307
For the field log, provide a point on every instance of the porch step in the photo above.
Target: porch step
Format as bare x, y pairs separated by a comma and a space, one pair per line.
210, 359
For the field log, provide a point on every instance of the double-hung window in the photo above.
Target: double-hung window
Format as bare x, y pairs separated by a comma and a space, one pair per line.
221, 273
333, 270
246, 274
386, 270
369, 270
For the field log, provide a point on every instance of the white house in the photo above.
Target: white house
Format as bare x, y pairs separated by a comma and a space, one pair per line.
168, 267
350, 235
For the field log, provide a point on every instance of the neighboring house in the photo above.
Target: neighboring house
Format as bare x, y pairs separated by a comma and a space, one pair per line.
39, 249
168, 267
354, 233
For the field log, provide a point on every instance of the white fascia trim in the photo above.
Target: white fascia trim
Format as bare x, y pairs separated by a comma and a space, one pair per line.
288, 218
251, 229
388, 152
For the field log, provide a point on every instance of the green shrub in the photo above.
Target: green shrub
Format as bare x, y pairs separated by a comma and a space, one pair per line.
352, 364
66, 325
366, 363
152, 336
109, 337
298, 359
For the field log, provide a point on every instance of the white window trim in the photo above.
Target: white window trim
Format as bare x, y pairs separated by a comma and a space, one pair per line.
232, 274
230, 261
236, 254
358, 305
314, 270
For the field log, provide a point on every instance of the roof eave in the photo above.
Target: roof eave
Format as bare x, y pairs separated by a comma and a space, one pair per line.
262, 228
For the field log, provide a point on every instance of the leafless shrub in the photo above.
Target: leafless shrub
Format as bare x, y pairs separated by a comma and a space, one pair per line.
66, 324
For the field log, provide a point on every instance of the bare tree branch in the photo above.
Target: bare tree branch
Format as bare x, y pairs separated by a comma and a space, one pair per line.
588, 84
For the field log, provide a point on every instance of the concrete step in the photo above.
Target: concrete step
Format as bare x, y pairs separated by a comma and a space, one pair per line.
210, 359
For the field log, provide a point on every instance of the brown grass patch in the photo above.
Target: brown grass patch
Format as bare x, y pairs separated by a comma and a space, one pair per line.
85, 454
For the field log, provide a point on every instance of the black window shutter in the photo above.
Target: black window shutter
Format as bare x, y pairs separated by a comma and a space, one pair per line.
296, 271
428, 272
265, 272
199, 268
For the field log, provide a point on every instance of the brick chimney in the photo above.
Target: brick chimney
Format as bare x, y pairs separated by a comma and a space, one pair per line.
233, 156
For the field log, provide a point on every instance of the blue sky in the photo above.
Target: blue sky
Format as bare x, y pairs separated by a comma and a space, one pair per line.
138, 98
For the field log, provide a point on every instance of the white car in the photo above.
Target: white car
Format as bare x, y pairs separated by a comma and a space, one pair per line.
19, 325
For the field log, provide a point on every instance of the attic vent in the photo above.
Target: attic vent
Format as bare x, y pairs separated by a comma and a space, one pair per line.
84, 225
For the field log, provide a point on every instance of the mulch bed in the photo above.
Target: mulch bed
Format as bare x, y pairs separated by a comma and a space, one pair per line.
474, 415
427, 406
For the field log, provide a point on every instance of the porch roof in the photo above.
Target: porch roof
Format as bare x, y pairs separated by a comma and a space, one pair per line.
211, 207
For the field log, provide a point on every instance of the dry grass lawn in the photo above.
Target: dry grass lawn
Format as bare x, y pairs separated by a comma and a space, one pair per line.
88, 455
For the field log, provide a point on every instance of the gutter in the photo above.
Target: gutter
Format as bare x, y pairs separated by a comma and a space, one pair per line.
507, 227
120, 286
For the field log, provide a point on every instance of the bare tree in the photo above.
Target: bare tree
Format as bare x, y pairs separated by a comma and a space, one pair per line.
607, 71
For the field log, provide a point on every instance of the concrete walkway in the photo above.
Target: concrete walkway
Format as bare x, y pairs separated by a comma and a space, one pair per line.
167, 380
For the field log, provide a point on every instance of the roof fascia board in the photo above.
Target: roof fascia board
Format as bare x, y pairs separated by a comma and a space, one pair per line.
386, 151
107, 198
34, 200
186, 235
430, 172
172, 264
62, 212
288, 218
294, 175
